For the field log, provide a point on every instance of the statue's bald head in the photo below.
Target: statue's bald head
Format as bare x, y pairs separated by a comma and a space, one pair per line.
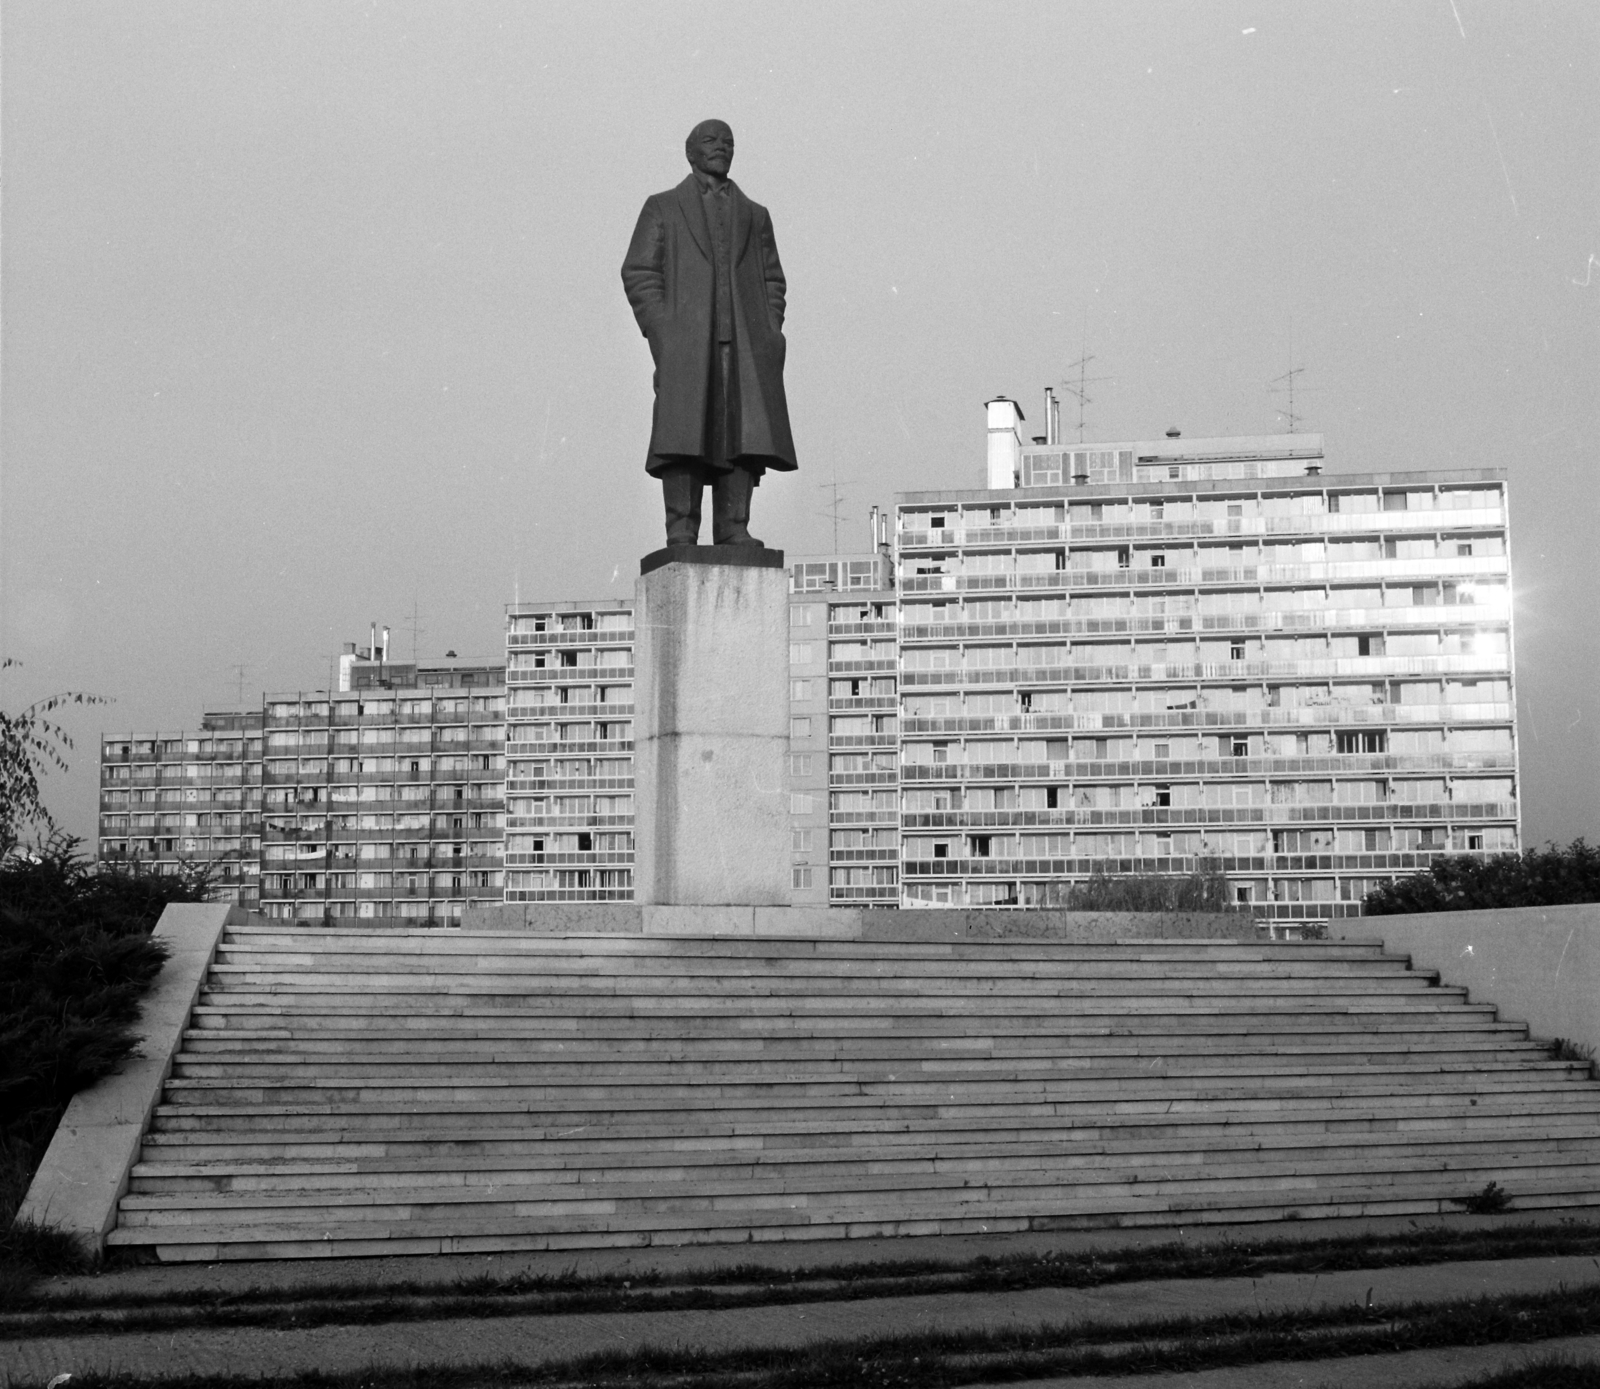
710, 148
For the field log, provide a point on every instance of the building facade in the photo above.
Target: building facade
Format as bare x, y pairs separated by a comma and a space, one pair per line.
569, 752
181, 801
1140, 657
1151, 656
381, 801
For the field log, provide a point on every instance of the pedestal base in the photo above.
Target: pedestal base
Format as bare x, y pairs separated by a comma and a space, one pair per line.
711, 729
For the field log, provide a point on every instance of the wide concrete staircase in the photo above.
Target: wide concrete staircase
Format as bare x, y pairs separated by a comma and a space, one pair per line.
349, 1092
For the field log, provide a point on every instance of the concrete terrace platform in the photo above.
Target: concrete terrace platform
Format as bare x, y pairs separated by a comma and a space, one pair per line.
855, 923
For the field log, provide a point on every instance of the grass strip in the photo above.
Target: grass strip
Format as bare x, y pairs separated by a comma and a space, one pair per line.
937, 1359
750, 1285
1542, 1372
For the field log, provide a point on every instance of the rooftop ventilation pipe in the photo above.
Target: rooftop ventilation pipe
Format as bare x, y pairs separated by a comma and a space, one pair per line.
1005, 442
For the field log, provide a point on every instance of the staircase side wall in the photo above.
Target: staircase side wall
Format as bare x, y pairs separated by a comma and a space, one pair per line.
1537, 965
85, 1170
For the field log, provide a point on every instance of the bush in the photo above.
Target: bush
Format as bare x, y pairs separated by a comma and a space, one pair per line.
1205, 890
75, 958
1547, 877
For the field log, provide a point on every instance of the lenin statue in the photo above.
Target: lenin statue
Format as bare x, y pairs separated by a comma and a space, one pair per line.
703, 278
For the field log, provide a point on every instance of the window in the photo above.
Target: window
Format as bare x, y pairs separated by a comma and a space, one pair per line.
1239, 747
800, 841
1369, 646
800, 876
1164, 799
799, 728
1236, 651
801, 653
941, 848
801, 804
802, 689
1361, 740
802, 616
1158, 561
982, 845
800, 764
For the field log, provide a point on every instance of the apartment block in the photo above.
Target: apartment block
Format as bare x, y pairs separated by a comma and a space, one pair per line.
386, 801
844, 753
383, 800
569, 752
1146, 656
176, 801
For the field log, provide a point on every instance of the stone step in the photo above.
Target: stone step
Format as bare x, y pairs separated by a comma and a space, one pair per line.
538, 1081
269, 1047
673, 1063
449, 1237
421, 1010
985, 1157
1490, 1119
721, 968
610, 946
1042, 1187
845, 1113
227, 1028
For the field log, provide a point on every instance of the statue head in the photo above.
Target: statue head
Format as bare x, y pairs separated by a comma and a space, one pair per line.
710, 148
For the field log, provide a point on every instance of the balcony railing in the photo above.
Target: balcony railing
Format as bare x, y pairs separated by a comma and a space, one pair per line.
1208, 769
1448, 520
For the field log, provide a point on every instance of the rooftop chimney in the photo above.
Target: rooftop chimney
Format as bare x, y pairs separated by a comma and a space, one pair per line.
1174, 434
1005, 442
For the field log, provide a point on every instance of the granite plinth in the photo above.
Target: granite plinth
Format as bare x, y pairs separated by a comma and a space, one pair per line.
711, 731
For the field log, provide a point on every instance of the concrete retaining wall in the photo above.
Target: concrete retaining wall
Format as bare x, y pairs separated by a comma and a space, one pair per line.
856, 923
1538, 965
85, 1169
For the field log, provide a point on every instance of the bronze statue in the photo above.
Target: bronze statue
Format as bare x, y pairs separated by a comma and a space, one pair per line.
703, 277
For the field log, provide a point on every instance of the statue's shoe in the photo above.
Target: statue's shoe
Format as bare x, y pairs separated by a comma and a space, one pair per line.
743, 538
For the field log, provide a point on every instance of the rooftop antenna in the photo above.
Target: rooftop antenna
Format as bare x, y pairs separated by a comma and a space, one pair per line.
239, 670
1080, 391
417, 629
1284, 386
833, 507
1287, 384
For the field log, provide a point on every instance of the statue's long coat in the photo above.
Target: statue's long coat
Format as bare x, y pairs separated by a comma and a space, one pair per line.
668, 278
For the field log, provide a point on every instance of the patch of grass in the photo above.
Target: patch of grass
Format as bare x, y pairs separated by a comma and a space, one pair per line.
936, 1359
1490, 1201
1542, 1372
1561, 1049
85, 1311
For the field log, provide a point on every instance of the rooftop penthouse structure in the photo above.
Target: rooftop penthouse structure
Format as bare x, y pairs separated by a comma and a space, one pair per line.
1152, 655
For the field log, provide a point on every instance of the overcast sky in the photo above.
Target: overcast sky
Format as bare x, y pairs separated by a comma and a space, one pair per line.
312, 315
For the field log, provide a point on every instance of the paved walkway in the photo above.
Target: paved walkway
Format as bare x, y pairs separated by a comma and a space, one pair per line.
535, 1339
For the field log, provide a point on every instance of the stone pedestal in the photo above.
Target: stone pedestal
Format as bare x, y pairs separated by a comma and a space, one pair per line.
711, 728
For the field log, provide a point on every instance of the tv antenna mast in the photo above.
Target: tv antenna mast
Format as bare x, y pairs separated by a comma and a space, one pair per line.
1285, 386
1080, 391
832, 511
238, 670
417, 629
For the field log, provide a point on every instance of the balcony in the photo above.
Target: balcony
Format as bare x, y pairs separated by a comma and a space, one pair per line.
1376, 523
1429, 617
1310, 716
1432, 813
1207, 769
